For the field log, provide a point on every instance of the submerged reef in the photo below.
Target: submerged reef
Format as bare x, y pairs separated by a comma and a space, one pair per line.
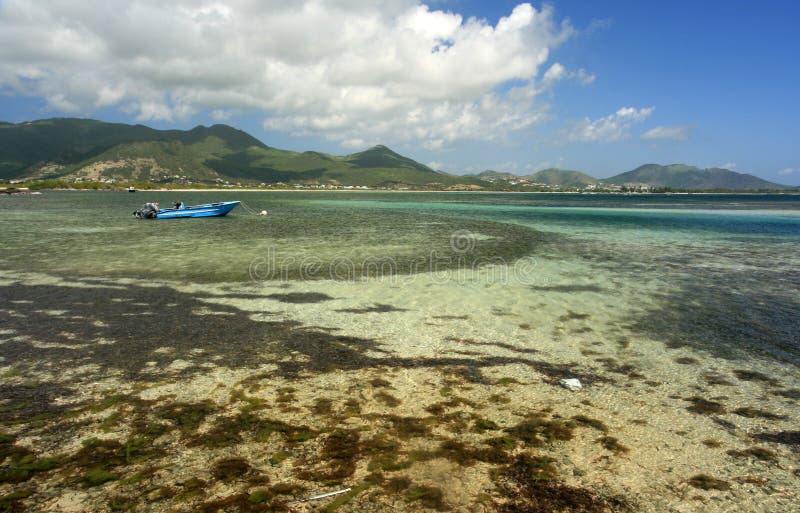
236, 409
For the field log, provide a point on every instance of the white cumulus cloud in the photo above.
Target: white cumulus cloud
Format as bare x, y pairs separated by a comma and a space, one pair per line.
557, 72
675, 133
354, 71
613, 127
789, 171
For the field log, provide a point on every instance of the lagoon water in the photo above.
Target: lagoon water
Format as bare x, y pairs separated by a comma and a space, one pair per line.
416, 320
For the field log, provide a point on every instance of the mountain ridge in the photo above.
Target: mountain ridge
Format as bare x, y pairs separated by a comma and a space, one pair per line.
89, 150
673, 176
563, 177
73, 149
691, 177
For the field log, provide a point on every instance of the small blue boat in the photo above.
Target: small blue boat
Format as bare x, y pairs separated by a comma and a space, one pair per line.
150, 211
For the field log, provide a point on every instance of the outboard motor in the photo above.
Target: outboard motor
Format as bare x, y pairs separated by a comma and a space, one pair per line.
148, 211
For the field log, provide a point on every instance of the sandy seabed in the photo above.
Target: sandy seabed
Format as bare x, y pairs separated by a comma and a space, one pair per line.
426, 395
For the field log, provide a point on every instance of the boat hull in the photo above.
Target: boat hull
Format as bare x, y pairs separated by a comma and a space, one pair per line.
207, 210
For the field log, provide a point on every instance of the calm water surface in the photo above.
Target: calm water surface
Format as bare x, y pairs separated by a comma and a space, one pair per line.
716, 270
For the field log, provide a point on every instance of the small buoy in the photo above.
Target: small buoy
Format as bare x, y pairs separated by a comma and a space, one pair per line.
263, 213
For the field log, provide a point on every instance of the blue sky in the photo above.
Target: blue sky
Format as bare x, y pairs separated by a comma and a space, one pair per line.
600, 87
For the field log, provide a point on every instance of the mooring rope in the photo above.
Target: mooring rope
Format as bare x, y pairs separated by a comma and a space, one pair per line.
251, 210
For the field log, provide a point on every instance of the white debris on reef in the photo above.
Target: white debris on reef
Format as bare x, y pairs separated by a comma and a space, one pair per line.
571, 383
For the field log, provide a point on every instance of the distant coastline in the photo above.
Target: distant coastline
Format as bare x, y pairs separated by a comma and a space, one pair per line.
120, 188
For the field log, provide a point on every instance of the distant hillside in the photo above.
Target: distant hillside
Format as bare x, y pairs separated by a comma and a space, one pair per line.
27, 147
72, 149
562, 177
491, 175
88, 150
681, 176
381, 156
676, 176
551, 176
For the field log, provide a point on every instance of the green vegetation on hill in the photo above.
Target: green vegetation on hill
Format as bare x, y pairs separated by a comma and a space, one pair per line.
676, 177
88, 151
562, 177
63, 146
491, 175
382, 157
552, 176
681, 176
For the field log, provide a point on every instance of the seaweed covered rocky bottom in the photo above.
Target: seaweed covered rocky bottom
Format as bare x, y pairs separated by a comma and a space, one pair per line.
262, 443
434, 438
529, 484
231, 409
238, 450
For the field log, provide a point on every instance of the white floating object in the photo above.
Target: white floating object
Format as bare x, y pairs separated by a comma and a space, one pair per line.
571, 383
263, 213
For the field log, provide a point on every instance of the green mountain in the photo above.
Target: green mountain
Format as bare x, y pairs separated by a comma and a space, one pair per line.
491, 175
83, 149
562, 177
61, 144
92, 150
551, 176
676, 176
681, 176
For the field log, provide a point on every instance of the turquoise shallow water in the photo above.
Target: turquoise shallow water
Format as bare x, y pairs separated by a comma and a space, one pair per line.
716, 270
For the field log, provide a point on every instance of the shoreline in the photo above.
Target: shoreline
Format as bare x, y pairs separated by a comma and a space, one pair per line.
243, 189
